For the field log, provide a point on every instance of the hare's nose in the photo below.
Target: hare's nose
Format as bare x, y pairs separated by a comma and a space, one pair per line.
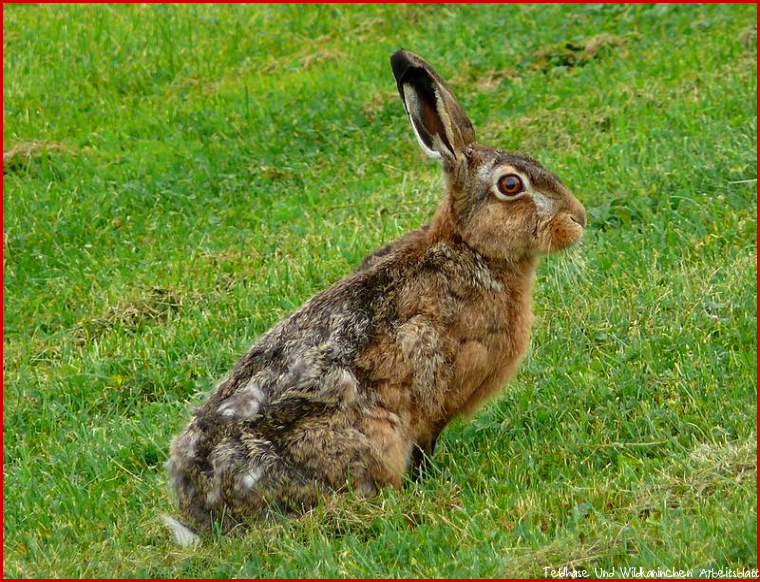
580, 219
579, 216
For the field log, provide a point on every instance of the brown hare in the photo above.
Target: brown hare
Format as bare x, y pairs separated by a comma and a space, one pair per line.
352, 390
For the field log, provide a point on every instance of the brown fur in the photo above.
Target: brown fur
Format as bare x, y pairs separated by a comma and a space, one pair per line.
354, 388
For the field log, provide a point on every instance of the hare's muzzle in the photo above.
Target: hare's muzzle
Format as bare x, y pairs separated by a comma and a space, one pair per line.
567, 225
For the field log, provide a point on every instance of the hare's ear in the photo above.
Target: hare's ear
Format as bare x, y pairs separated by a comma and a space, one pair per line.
439, 122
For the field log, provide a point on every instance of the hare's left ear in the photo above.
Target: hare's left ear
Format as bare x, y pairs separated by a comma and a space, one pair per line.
439, 122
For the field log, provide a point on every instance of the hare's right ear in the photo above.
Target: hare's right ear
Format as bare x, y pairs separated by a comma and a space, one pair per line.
439, 122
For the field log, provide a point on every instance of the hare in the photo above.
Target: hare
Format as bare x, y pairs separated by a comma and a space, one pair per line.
351, 391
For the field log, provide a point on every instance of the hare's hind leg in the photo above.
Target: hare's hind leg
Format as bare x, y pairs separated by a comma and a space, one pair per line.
345, 454
391, 447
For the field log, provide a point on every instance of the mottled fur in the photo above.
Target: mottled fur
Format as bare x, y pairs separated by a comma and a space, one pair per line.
350, 390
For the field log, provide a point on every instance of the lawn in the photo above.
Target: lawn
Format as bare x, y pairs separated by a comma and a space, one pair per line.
176, 179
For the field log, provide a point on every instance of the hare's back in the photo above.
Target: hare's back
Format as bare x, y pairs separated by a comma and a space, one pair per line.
312, 348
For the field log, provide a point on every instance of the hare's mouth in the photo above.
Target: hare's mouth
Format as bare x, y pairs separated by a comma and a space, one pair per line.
562, 232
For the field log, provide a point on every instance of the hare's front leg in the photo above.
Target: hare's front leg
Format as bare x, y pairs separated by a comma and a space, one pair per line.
424, 448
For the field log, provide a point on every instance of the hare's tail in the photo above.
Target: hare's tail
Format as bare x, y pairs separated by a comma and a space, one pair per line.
183, 535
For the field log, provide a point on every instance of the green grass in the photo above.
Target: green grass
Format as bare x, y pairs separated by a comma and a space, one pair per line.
179, 178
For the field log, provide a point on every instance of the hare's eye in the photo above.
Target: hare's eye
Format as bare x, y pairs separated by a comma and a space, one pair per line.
510, 185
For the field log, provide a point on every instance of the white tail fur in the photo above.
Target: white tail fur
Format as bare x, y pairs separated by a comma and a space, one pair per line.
183, 535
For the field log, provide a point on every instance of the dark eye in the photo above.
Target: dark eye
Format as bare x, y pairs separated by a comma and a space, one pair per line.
510, 185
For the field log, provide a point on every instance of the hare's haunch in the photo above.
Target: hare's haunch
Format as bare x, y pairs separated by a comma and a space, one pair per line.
352, 390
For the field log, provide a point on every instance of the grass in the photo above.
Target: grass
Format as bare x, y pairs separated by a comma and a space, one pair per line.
179, 178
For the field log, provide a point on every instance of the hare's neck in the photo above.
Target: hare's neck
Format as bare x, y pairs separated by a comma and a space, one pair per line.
519, 270
516, 283
514, 272
442, 227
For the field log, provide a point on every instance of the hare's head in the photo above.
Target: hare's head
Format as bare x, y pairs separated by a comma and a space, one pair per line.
503, 205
